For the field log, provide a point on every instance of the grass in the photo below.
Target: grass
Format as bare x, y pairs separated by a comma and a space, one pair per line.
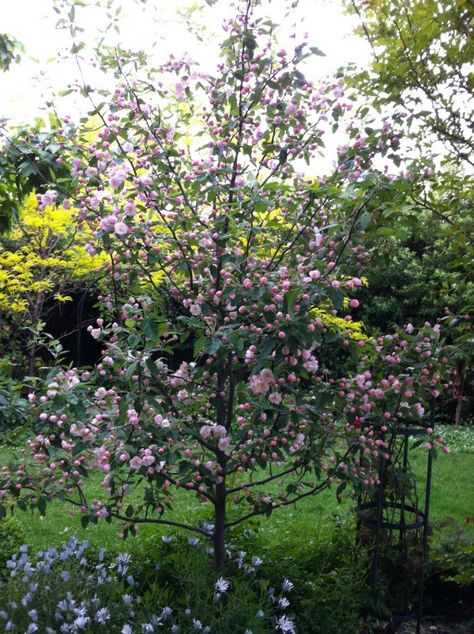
304, 523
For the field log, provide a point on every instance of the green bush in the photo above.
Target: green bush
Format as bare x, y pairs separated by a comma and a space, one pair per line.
12, 536
452, 559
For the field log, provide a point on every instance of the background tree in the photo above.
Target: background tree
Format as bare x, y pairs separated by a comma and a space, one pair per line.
29, 160
422, 62
422, 67
10, 50
42, 258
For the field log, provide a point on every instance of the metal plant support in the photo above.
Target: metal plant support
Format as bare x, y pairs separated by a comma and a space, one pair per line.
395, 522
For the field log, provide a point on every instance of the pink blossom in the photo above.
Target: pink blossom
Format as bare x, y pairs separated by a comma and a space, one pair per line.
275, 398
118, 176
120, 228
48, 199
136, 463
161, 422
195, 309
206, 431
311, 365
260, 383
224, 443
147, 460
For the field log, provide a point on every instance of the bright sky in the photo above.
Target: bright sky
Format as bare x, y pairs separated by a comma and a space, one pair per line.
156, 25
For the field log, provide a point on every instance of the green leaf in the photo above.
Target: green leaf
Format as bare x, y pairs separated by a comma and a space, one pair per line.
211, 346
317, 51
291, 298
42, 506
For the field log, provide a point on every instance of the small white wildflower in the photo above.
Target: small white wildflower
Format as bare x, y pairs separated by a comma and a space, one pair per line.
222, 585
285, 624
102, 616
287, 586
33, 614
81, 622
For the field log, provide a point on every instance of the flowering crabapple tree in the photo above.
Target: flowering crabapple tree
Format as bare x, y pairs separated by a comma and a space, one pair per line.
193, 187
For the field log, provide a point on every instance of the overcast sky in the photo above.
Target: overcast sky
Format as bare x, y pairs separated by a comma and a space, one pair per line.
158, 26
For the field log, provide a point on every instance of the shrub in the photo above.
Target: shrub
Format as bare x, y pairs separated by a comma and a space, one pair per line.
453, 557
12, 537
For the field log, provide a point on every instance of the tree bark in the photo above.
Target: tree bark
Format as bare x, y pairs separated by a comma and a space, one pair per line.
459, 392
219, 525
31, 361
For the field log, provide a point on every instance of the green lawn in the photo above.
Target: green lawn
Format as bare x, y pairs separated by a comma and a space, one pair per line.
452, 496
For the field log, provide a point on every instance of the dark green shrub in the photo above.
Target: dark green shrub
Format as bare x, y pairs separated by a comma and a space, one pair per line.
452, 559
12, 536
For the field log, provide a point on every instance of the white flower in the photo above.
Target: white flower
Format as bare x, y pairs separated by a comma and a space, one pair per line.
102, 616
222, 585
285, 625
286, 586
81, 621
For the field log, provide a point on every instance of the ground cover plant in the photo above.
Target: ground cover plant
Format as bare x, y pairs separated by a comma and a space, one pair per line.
71, 589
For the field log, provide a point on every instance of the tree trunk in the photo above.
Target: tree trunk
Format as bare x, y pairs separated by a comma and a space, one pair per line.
219, 525
31, 361
459, 392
